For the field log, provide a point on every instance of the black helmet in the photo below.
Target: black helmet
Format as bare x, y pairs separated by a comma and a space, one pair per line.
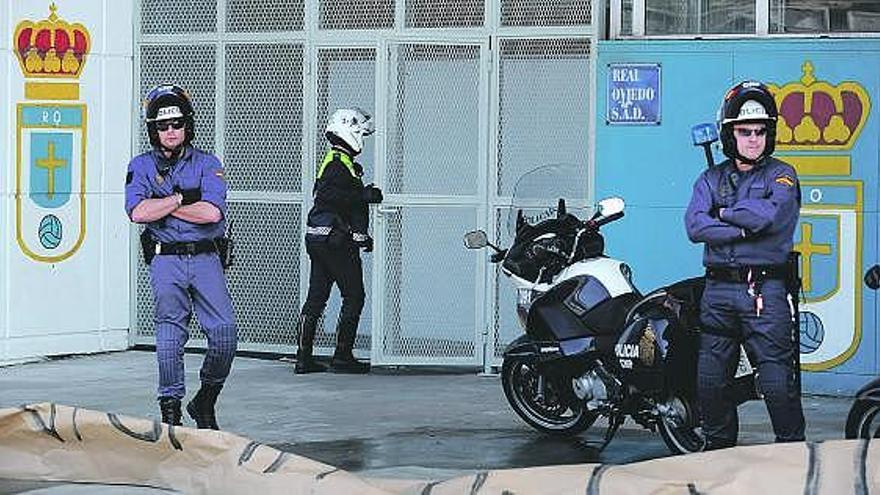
164, 102
748, 101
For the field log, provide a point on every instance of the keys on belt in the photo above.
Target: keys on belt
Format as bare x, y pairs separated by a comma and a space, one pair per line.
753, 276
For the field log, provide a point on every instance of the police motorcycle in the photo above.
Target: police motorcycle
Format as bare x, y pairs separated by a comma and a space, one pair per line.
594, 346
863, 420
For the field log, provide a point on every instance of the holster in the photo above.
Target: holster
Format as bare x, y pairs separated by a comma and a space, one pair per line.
225, 251
148, 246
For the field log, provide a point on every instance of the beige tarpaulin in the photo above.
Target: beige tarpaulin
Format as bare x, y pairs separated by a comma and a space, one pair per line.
59, 443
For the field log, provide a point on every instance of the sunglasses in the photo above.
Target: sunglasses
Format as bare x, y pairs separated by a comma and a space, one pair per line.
163, 125
744, 133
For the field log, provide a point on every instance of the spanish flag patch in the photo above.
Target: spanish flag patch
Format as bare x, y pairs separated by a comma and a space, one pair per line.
785, 180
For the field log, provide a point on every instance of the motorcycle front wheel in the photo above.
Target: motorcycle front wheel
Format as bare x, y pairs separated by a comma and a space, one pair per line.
680, 425
545, 403
863, 420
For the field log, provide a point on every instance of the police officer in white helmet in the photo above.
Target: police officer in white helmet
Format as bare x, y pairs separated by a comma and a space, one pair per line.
336, 232
745, 211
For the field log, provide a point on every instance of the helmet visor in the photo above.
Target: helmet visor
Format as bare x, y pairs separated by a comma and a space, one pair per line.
364, 121
367, 126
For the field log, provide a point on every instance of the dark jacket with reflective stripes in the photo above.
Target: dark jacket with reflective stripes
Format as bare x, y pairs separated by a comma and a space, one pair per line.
338, 197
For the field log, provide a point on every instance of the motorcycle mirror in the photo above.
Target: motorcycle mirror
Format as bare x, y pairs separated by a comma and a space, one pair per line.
872, 277
560, 209
476, 239
611, 206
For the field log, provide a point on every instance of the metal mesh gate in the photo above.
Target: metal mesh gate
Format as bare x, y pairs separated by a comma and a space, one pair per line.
532, 72
467, 94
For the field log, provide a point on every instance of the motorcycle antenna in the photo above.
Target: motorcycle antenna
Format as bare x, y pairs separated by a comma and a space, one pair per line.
704, 135
560, 208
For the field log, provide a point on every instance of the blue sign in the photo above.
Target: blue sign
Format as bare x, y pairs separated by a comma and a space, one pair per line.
704, 134
633, 94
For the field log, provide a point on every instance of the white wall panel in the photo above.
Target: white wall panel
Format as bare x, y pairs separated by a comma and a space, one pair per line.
7, 64
79, 302
116, 152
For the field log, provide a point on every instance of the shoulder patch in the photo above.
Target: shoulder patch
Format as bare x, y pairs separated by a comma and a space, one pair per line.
128, 177
785, 179
220, 173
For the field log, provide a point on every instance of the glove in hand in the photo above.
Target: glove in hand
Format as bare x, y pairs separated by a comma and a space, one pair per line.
372, 194
365, 243
190, 196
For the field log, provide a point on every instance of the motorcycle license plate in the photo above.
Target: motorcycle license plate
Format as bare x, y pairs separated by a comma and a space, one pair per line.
744, 367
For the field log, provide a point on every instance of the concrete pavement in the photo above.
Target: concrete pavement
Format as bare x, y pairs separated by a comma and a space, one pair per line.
408, 423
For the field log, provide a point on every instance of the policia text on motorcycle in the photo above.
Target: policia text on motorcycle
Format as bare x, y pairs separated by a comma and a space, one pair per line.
178, 192
744, 211
337, 230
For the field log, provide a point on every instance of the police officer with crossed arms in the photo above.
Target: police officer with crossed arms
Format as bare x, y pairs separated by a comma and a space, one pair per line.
744, 211
179, 193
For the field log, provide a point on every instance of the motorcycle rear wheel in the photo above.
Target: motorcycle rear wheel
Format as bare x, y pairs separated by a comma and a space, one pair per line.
863, 421
546, 404
681, 428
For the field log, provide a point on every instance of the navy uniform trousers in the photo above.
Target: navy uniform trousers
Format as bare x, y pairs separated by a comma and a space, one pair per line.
729, 317
340, 265
181, 283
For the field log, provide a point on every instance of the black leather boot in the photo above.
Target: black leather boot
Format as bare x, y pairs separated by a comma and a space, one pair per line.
170, 408
305, 363
343, 360
201, 407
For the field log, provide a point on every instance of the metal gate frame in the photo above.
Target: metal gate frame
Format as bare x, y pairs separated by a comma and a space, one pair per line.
486, 202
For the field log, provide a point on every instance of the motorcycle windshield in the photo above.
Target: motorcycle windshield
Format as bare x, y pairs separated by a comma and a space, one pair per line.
538, 191
535, 218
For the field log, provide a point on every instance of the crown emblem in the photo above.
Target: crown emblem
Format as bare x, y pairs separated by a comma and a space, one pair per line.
51, 47
815, 115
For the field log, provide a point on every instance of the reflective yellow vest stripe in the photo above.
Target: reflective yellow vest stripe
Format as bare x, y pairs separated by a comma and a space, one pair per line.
345, 159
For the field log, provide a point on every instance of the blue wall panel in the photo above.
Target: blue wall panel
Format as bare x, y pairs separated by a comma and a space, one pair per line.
654, 166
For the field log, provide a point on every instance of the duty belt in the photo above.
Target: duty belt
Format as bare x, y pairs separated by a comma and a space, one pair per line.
195, 247
745, 274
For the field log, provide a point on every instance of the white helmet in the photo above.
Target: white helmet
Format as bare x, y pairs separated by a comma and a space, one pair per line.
350, 125
749, 111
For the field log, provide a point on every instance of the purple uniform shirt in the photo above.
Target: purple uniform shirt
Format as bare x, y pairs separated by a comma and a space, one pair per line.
763, 203
195, 169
